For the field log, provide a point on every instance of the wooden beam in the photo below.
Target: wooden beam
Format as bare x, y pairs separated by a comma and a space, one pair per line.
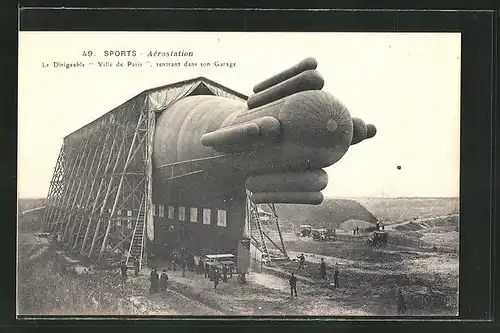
79, 176
51, 195
122, 241
275, 245
89, 175
74, 159
101, 185
273, 209
110, 184
120, 185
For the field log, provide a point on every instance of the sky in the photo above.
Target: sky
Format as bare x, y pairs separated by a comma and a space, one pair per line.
407, 84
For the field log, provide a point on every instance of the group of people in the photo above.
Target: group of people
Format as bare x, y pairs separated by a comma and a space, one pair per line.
355, 231
322, 268
401, 304
214, 274
124, 269
158, 282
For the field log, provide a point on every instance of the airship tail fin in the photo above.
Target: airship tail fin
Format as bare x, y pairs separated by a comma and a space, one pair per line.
304, 65
257, 130
288, 187
307, 80
362, 131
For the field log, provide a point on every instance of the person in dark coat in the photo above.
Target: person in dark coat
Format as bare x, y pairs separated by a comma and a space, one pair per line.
136, 267
215, 277
302, 260
163, 280
322, 269
207, 270
154, 281
401, 303
191, 264
224, 274
123, 271
184, 267
201, 267
336, 276
378, 226
293, 285
174, 262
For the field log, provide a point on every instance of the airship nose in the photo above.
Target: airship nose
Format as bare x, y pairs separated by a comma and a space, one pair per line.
318, 120
331, 125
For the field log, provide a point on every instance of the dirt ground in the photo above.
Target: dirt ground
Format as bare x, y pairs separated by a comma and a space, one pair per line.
369, 280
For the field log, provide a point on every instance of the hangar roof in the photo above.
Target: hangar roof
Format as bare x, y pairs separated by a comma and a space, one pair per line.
159, 98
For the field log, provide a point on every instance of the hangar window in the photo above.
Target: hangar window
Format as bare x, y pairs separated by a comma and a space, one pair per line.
182, 213
119, 212
129, 224
206, 215
193, 214
161, 209
153, 207
129, 213
171, 212
118, 223
221, 217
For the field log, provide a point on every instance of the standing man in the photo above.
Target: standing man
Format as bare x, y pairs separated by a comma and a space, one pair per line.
154, 281
123, 270
191, 263
196, 263
215, 278
336, 276
207, 270
302, 260
136, 266
174, 262
224, 273
322, 269
163, 280
401, 303
184, 266
293, 285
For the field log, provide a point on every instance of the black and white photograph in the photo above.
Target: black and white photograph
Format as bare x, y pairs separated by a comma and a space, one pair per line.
178, 174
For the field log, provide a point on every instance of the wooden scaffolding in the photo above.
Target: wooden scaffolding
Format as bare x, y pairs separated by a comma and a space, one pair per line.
262, 232
101, 188
100, 195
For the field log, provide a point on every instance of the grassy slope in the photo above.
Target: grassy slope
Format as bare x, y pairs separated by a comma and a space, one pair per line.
333, 211
387, 210
393, 210
30, 203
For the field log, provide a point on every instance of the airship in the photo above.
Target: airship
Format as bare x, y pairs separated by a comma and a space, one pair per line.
177, 166
212, 153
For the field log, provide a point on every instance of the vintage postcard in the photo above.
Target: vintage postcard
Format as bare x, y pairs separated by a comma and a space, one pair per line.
236, 174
